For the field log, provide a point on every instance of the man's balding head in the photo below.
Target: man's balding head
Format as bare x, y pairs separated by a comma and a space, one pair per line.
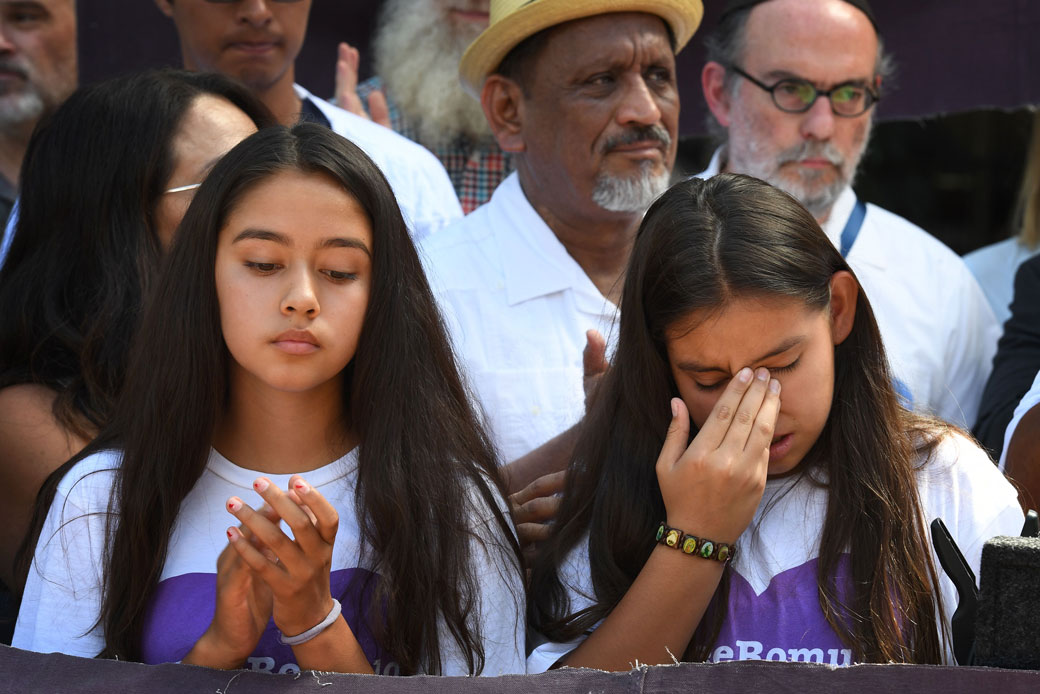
812, 155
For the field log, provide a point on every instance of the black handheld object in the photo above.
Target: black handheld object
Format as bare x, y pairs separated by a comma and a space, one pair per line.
1031, 528
962, 623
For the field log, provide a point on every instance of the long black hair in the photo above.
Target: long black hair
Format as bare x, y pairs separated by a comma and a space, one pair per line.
85, 249
700, 245
426, 464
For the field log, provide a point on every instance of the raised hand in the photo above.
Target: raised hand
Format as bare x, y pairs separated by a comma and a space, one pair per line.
712, 486
346, 97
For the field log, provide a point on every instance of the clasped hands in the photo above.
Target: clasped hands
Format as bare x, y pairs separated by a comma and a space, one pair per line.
264, 573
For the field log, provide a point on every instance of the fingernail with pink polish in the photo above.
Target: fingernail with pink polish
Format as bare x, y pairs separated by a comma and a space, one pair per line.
261, 484
234, 504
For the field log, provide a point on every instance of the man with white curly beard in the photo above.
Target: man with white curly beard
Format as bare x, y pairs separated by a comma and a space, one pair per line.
416, 90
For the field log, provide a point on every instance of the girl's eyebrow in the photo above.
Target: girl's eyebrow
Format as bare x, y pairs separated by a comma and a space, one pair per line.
341, 242
787, 344
282, 239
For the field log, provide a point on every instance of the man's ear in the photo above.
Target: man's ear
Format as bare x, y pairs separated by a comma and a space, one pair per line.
713, 83
165, 6
844, 293
503, 102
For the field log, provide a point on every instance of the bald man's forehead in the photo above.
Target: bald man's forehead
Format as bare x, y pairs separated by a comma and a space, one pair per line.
825, 41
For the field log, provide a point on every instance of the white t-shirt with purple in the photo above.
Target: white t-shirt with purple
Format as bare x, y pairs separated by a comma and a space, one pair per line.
773, 612
62, 594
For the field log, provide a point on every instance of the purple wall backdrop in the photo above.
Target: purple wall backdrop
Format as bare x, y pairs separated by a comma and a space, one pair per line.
953, 55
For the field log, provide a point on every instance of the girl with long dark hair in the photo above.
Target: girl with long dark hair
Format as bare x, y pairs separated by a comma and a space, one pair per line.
292, 356
105, 181
747, 485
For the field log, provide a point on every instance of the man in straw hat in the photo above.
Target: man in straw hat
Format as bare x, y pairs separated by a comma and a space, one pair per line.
583, 94
792, 85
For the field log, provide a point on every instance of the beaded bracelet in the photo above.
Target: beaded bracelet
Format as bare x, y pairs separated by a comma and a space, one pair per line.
695, 546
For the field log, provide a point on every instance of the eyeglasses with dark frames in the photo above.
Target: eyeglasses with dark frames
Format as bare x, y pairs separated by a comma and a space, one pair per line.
793, 95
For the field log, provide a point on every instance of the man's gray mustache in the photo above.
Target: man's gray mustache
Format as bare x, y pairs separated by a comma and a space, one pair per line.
14, 67
811, 150
650, 133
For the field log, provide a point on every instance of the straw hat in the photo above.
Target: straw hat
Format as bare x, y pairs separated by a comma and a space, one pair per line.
512, 21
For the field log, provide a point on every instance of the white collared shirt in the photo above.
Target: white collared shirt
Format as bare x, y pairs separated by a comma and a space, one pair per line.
517, 306
419, 181
938, 328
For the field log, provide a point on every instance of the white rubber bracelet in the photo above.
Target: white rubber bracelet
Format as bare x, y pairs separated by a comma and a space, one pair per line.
314, 630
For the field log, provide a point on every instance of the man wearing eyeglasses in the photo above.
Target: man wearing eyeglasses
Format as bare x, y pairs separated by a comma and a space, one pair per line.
792, 85
256, 42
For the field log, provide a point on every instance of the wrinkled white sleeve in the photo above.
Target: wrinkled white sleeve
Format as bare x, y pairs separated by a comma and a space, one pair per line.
433, 203
62, 598
970, 347
500, 603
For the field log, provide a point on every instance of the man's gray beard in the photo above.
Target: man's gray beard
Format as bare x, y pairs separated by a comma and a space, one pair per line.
417, 55
633, 194
818, 201
17, 109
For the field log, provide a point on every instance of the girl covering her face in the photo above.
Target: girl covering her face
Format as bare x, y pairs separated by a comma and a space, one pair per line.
750, 408
293, 372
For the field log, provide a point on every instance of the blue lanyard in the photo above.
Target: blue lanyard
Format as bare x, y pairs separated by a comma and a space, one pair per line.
848, 237
852, 227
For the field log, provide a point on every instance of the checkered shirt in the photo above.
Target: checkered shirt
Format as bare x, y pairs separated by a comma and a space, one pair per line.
475, 169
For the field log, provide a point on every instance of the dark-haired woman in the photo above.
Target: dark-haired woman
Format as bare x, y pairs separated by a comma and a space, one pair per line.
292, 371
747, 485
105, 182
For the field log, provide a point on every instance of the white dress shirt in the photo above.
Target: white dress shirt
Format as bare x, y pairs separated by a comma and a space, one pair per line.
938, 328
419, 181
517, 306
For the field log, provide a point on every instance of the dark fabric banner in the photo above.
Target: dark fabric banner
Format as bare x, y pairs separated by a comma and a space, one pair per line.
23, 671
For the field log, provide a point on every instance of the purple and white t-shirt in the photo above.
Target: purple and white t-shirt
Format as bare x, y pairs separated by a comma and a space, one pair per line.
773, 612
61, 600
